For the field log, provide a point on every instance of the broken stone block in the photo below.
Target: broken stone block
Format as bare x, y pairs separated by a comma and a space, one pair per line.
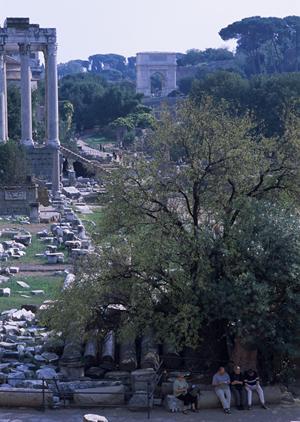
94, 418
14, 270
5, 292
46, 373
23, 284
15, 378
23, 315
3, 279
37, 292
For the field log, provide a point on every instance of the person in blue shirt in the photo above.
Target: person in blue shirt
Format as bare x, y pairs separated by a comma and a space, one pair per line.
221, 382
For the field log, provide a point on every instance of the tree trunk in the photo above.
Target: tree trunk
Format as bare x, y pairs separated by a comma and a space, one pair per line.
244, 356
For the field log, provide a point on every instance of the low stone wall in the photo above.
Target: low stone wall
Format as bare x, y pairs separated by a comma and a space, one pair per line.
209, 400
25, 397
110, 395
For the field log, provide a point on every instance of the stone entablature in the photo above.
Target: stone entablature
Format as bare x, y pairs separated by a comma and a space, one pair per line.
149, 63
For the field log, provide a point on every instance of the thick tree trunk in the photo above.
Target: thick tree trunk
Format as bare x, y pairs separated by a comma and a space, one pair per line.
244, 357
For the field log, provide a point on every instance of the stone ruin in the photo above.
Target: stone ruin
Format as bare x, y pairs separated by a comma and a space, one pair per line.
19, 36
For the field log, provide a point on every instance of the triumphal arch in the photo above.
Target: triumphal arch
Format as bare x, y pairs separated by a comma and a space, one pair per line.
19, 36
155, 63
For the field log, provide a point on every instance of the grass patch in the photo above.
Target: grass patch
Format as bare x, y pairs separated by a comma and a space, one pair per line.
95, 141
35, 247
50, 284
92, 221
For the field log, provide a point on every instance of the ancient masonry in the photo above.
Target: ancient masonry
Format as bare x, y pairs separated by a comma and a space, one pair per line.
19, 36
148, 64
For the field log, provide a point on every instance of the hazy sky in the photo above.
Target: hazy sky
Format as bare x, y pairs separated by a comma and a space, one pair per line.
125, 27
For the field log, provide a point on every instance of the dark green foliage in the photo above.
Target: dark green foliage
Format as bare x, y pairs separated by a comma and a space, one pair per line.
267, 98
194, 56
270, 45
94, 101
72, 67
201, 238
13, 164
14, 112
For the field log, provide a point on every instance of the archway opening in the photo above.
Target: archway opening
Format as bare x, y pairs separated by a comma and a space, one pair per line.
157, 82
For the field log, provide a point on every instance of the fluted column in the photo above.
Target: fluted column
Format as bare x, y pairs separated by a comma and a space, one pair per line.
26, 106
52, 139
52, 96
3, 99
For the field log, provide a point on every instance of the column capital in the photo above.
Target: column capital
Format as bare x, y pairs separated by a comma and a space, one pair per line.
52, 48
24, 49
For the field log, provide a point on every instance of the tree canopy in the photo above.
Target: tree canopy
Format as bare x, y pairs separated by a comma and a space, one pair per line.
267, 98
95, 101
201, 238
270, 45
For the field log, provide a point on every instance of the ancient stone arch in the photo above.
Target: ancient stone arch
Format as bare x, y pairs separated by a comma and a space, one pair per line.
150, 63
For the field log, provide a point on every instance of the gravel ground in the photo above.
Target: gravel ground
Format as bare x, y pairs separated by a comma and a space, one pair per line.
274, 414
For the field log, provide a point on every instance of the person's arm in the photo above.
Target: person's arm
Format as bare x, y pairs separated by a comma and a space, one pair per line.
234, 382
178, 389
214, 381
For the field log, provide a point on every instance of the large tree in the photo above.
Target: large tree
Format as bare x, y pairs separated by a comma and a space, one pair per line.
270, 45
14, 167
199, 243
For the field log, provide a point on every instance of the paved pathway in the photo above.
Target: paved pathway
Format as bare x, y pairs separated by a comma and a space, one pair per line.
274, 414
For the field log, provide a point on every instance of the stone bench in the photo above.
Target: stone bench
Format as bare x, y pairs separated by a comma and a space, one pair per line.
209, 400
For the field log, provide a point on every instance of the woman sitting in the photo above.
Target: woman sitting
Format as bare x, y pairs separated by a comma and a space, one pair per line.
180, 389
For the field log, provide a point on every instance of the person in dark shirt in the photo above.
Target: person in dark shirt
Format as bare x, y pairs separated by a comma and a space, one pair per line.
237, 388
251, 380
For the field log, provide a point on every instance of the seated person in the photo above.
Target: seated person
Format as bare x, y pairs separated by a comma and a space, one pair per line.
251, 380
180, 389
221, 382
237, 387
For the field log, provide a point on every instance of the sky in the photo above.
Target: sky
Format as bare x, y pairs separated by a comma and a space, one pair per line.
86, 27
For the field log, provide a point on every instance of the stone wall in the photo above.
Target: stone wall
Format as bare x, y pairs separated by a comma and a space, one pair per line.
40, 160
20, 200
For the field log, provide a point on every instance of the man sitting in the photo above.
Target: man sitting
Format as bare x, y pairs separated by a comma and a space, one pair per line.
237, 388
251, 380
221, 382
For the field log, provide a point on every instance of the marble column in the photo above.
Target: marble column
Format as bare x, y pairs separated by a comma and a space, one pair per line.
52, 139
26, 106
52, 96
2, 96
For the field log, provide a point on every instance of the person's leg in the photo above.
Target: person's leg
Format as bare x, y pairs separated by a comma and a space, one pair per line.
249, 395
243, 398
193, 400
228, 397
221, 395
236, 396
188, 399
182, 398
260, 394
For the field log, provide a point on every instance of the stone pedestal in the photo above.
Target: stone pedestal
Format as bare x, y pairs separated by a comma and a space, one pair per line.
128, 359
149, 353
34, 213
70, 364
